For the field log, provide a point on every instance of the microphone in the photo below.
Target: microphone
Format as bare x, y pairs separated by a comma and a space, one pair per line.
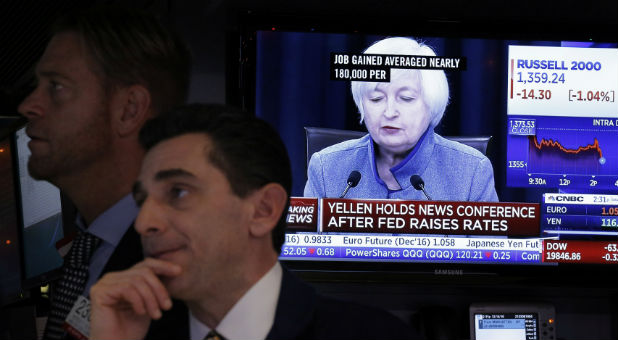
353, 180
418, 184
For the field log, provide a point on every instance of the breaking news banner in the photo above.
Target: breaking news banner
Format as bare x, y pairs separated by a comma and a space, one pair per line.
376, 67
429, 217
302, 214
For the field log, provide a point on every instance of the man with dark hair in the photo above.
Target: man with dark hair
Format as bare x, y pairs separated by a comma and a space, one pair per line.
213, 191
233, 137
104, 73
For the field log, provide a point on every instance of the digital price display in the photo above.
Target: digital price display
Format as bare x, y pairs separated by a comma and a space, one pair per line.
562, 127
411, 248
571, 251
579, 214
506, 326
512, 320
583, 215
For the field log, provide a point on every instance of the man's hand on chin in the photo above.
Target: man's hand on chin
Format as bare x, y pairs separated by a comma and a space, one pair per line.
123, 303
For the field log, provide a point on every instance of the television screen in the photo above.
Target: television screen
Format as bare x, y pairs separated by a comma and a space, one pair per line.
407, 112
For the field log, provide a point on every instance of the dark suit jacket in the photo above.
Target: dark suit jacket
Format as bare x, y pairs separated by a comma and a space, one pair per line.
127, 253
302, 313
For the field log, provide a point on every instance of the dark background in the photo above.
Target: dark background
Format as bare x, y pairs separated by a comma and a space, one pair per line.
586, 304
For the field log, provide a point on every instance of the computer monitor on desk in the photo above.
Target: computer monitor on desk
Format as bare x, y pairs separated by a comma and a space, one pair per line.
10, 252
42, 220
31, 221
512, 321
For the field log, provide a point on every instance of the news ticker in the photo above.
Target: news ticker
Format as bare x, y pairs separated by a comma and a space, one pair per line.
562, 81
393, 230
579, 214
405, 248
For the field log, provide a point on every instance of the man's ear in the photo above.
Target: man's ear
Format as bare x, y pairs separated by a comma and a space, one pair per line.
269, 203
131, 108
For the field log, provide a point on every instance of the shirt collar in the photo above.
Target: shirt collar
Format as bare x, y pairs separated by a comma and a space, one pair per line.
252, 316
411, 165
109, 225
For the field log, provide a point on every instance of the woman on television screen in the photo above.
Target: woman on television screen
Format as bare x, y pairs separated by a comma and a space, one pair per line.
400, 116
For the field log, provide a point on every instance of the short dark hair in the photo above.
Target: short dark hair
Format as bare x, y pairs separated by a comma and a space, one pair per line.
246, 149
130, 46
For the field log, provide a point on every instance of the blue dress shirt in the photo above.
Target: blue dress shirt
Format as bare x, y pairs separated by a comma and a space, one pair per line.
110, 227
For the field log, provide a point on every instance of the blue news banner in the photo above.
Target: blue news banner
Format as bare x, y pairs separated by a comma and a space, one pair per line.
411, 248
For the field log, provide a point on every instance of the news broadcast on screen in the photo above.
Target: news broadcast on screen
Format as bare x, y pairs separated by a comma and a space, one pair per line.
463, 150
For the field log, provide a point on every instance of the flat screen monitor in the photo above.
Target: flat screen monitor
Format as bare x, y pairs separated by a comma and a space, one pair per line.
42, 222
41, 219
32, 220
548, 104
10, 254
512, 321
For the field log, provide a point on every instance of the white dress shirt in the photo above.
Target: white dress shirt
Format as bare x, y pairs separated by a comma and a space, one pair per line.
252, 316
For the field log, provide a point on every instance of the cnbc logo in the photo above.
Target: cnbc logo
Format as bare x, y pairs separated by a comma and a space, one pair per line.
565, 198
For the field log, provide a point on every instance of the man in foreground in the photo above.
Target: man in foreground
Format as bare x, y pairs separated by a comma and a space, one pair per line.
213, 189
